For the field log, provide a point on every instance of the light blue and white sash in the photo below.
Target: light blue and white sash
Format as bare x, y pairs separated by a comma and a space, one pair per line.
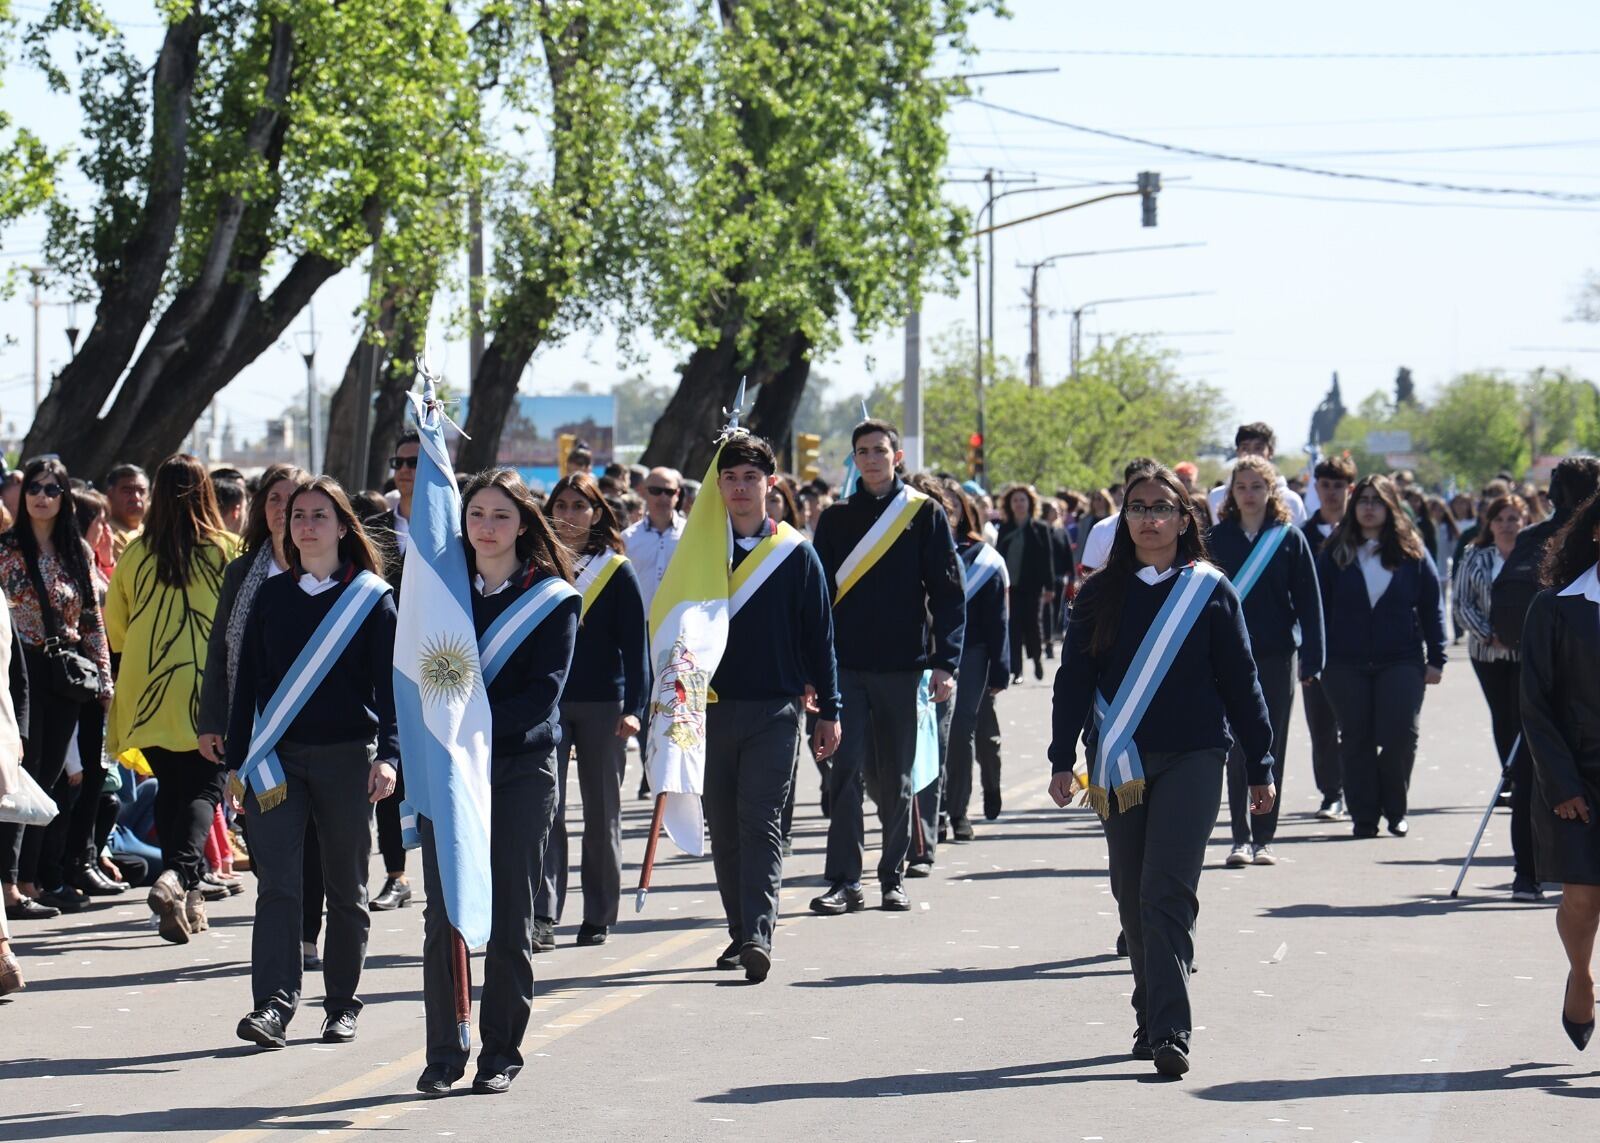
261, 768
1266, 547
987, 564
1117, 765
517, 622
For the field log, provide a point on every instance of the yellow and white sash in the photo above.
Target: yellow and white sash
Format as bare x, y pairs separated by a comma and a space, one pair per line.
879, 539
593, 576
764, 559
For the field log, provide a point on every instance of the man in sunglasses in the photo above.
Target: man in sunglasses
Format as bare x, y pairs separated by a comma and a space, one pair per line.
652, 540
404, 464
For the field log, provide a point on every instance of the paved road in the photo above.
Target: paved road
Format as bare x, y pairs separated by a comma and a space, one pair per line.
1342, 996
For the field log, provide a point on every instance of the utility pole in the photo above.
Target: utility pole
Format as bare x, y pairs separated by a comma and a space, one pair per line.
308, 353
1034, 380
988, 179
911, 430
1078, 312
474, 284
37, 274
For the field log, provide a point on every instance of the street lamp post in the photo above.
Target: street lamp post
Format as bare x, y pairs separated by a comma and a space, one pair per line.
307, 339
1078, 312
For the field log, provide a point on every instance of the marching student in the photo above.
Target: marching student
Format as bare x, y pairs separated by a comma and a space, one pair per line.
780, 645
1258, 439
1333, 477
892, 567
521, 582
1385, 635
985, 657
1157, 652
1269, 563
1025, 543
601, 708
312, 736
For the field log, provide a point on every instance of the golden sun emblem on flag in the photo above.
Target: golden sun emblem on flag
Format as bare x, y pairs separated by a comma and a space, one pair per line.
447, 670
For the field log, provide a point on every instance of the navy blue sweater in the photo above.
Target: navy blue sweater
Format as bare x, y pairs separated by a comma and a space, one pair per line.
612, 659
524, 695
354, 703
883, 624
1210, 687
986, 623
1312, 531
1407, 623
1284, 609
782, 638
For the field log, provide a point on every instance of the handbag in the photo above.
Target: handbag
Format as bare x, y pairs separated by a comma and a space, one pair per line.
73, 676
26, 803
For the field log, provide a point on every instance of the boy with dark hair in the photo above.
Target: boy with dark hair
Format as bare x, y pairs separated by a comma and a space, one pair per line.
1258, 439
1334, 477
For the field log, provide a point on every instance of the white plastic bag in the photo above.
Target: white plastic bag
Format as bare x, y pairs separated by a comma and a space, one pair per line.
27, 804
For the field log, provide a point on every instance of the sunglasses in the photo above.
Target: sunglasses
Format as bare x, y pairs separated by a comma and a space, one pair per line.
37, 489
657, 490
399, 462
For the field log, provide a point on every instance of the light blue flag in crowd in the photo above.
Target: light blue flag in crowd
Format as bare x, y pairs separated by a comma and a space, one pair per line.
925, 763
852, 475
440, 701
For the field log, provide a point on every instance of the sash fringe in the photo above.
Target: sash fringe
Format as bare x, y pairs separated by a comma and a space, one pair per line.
273, 798
1096, 797
235, 786
1130, 794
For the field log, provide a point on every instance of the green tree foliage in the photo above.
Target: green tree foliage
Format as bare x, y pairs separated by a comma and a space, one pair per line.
27, 167
1475, 426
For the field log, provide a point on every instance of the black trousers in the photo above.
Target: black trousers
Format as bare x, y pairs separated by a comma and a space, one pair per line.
327, 784
1157, 850
1024, 623
188, 792
879, 729
972, 688
1502, 683
1276, 673
522, 807
590, 728
44, 755
988, 744
388, 819
1378, 706
1324, 730
750, 759
68, 842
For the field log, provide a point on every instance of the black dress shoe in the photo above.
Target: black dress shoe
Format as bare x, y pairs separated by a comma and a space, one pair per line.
396, 895
492, 1083
991, 804
544, 935
65, 900
1038, 669
730, 956
1578, 1033
644, 792
436, 1079
28, 909
895, 899
1400, 827
757, 962
1141, 1046
919, 869
1122, 944
839, 899
592, 934
339, 1028
87, 879
263, 1027
961, 829
1364, 830
1171, 1057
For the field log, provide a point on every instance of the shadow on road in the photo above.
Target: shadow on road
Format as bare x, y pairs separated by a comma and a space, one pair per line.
937, 1083
1400, 1083
1047, 970
149, 1124
1426, 906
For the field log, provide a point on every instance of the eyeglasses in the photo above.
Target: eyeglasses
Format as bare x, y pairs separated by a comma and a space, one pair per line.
399, 462
1370, 502
657, 490
1165, 510
37, 489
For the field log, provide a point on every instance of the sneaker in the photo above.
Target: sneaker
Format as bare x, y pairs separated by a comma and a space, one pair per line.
1332, 810
493, 1083
309, 960
436, 1079
1238, 856
167, 901
339, 1028
1264, 856
895, 899
788, 847
922, 868
1525, 888
840, 898
396, 894
1400, 827
263, 1027
194, 911
961, 829
544, 934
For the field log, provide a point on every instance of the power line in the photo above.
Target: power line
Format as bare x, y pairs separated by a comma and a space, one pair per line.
1173, 148
1309, 197
1122, 53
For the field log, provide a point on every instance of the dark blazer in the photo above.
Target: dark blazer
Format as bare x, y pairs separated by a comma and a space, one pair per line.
1407, 623
1038, 571
1284, 609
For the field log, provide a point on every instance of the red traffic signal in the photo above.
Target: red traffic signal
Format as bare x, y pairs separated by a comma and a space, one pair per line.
975, 440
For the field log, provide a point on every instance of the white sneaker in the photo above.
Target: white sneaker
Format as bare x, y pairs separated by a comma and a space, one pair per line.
1332, 811
1238, 856
1265, 856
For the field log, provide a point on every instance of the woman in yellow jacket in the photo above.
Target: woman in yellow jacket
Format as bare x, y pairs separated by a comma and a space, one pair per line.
162, 599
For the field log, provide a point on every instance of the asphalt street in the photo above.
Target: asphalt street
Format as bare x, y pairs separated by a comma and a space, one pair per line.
1341, 996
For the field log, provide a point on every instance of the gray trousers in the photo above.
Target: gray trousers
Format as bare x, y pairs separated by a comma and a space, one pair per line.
327, 784
750, 759
1324, 730
1378, 707
1276, 673
590, 728
1157, 850
522, 804
972, 684
879, 728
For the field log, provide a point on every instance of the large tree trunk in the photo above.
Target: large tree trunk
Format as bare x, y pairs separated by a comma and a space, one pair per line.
389, 406
684, 435
494, 388
778, 399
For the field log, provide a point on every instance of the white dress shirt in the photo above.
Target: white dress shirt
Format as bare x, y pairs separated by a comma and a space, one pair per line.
1377, 576
1153, 577
311, 585
1097, 548
650, 551
402, 525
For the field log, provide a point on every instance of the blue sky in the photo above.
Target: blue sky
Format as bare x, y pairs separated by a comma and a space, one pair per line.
1300, 279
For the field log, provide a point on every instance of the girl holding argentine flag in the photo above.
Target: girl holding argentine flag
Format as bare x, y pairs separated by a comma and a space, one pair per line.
312, 737
1268, 560
1157, 664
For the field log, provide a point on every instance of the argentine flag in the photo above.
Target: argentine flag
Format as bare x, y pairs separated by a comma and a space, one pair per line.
440, 701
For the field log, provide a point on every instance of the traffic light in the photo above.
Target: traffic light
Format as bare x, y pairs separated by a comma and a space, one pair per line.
808, 451
565, 442
975, 455
1149, 187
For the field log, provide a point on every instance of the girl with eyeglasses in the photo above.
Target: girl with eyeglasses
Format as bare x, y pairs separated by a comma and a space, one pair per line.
1157, 663
45, 571
1384, 614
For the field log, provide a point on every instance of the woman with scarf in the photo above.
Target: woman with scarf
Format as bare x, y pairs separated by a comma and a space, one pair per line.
1157, 656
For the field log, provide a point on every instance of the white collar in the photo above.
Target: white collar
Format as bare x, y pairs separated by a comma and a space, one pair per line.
1368, 549
311, 585
748, 543
477, 585
1152, 577
1586, 585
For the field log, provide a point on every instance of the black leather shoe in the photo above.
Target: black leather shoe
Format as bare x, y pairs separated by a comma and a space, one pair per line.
1400, 827
340, 1028
1038, 669
494, 1083
895, 899
730, 956
263, 1027
919, 869
840, 899
1364, 830
757, 962
87, 879
1141, 1046
1172, 1057
1579, 1034
396, 895
544, 935
961, 829
1122, 944
644, 792
436, 1079
28, 909
592, 934
64, 900
991, 804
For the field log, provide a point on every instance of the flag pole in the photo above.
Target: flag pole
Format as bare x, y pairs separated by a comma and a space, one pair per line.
1494, 800
650, 854
461, 971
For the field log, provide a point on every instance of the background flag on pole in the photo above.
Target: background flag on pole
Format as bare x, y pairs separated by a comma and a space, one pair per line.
442, 708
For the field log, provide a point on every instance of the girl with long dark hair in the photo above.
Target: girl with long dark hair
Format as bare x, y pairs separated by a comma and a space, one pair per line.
601, 708
1157, 656
46, 576
1024, 543
312, 737
515, 560
1561, 718
1269, 563
1385, 622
